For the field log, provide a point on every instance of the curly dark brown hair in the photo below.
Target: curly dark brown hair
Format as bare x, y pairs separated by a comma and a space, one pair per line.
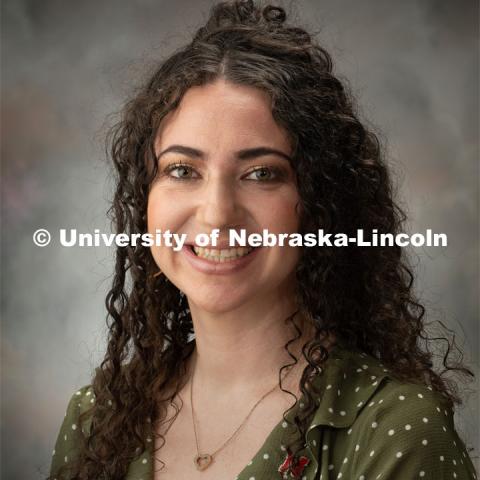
363, 295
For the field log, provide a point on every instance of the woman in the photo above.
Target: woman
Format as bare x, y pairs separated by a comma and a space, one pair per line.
305, 362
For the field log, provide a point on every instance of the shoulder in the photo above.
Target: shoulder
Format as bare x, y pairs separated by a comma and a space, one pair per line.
80, 401
368, 391
379, 427
406, 411
69, 435
408, 429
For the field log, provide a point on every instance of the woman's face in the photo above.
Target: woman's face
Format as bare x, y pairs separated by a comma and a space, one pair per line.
218, 187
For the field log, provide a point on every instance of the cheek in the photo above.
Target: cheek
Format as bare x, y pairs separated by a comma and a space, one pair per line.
152, 210
281, 215
161, 213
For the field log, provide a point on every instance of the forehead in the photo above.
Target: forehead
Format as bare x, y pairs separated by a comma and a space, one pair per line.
222, 114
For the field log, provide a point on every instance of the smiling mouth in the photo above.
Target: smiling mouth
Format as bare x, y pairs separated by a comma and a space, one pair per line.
221, 256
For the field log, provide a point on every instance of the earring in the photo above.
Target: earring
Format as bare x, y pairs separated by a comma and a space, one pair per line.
157, 274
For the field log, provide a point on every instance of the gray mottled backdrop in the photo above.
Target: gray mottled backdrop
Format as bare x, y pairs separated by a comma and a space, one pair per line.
67, 64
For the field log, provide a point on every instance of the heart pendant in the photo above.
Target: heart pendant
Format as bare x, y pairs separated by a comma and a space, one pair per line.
202, 461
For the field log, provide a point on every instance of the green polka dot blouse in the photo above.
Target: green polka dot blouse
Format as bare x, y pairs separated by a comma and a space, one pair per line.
367, 426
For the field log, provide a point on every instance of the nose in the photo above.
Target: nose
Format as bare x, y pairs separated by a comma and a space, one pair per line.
218, 204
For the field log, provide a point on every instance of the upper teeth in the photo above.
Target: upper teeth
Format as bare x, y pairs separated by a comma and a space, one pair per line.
229, 253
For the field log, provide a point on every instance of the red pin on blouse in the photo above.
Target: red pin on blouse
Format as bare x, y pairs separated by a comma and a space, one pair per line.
295, 472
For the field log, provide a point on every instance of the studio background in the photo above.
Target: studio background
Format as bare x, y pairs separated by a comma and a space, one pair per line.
67, 65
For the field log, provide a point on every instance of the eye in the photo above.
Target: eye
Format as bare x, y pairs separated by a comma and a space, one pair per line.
183, 170
265, 174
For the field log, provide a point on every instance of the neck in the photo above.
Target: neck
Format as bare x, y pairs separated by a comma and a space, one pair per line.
242, 351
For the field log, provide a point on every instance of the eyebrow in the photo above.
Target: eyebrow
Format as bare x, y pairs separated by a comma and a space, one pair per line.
245, 154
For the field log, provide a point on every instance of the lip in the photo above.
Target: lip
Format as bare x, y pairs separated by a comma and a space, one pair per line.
214, 268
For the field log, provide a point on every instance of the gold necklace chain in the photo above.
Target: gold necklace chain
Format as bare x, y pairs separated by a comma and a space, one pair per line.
203, 461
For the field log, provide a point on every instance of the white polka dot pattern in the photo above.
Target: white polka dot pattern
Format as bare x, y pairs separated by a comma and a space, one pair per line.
367, 426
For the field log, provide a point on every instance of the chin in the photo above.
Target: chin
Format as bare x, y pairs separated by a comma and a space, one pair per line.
219, 300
